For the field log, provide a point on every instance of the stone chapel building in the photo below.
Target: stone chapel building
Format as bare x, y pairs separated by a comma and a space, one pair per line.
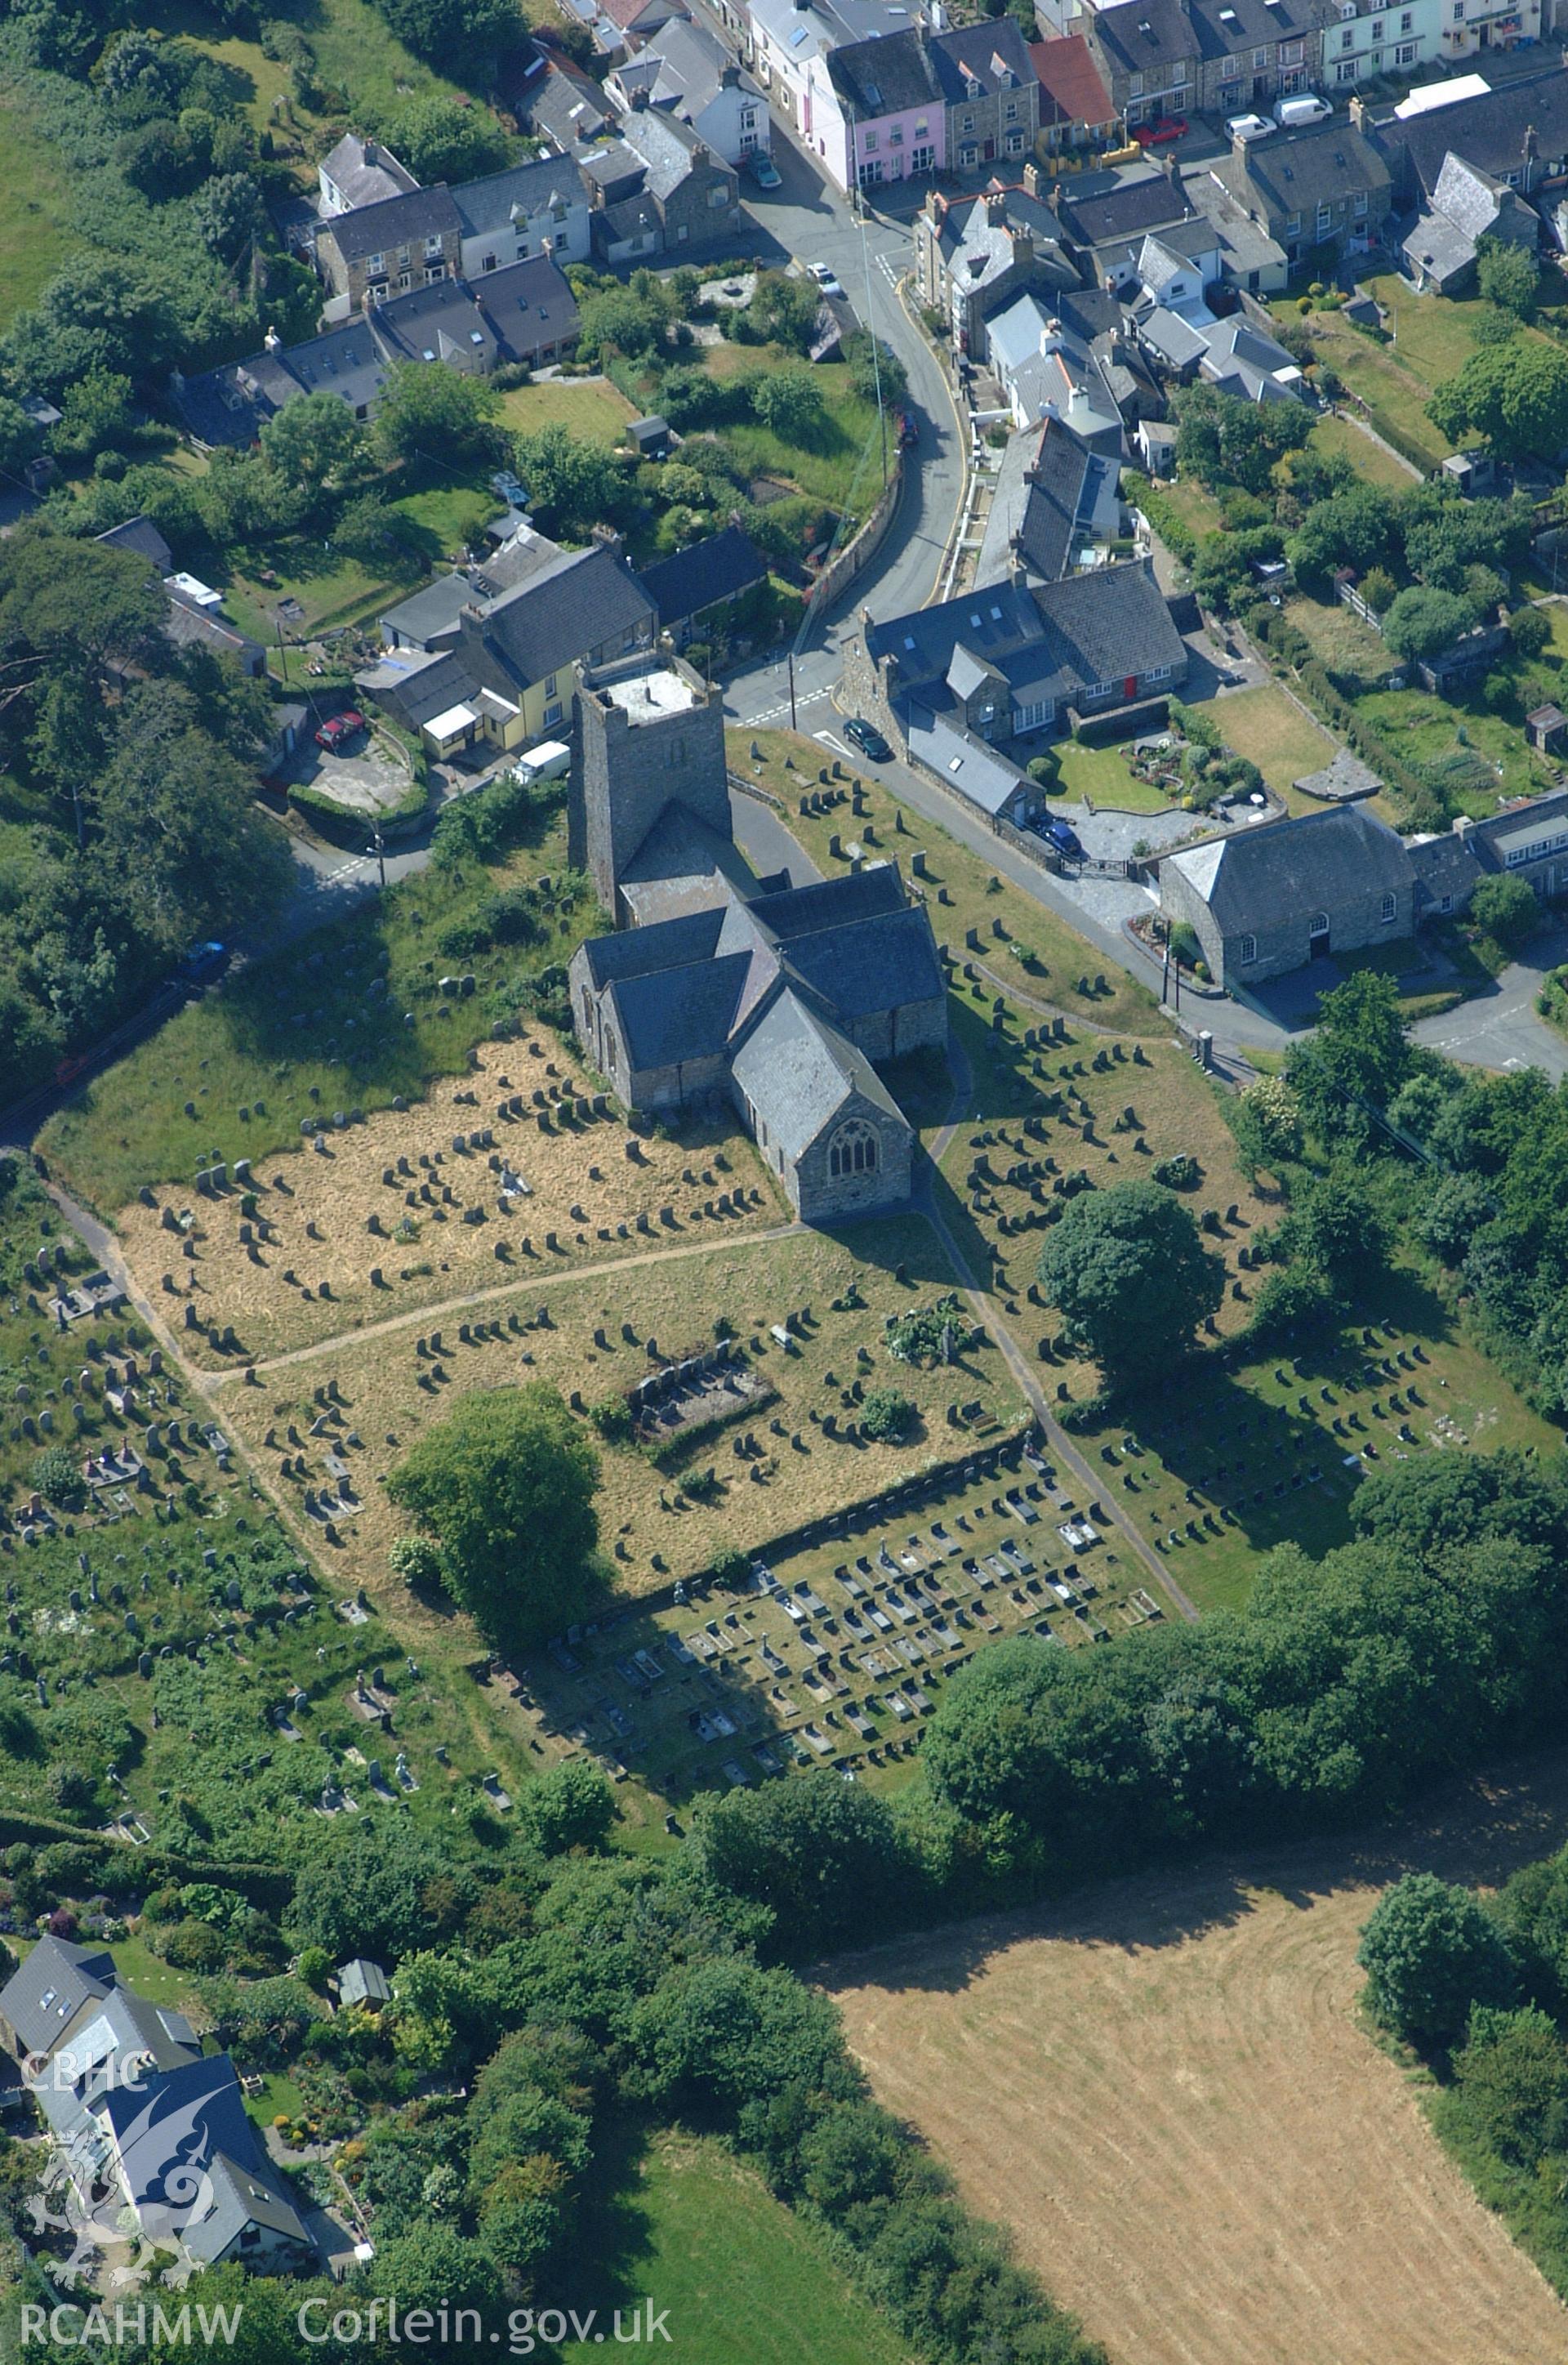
721, 986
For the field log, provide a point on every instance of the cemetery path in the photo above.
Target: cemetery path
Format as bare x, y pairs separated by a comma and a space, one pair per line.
425, 1317
990, 1313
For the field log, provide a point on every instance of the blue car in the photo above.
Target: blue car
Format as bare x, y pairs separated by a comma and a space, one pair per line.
203, 963
1061, 839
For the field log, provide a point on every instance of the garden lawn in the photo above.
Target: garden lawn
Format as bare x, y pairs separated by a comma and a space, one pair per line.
1193, 505
1373, 463
1340, 638
744, 2281
240, 1048
1271, 731
1099, 775
844, 466
35, 236
590, 408
1003, 914
1394, 389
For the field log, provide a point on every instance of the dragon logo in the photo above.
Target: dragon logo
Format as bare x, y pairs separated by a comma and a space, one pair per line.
159, 2152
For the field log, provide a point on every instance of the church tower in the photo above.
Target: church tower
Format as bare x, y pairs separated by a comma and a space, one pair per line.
649, 735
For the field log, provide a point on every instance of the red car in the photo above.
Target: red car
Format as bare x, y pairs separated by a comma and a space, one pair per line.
339, 728
1155, 135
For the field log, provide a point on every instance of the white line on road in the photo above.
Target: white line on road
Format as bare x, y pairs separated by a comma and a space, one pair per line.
836, 744
774, 713
886, 268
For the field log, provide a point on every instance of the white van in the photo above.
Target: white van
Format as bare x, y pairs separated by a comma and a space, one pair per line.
1292, 114
548, 761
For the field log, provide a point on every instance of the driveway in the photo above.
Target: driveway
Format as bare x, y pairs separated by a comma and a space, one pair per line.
1498, 1027
371, 779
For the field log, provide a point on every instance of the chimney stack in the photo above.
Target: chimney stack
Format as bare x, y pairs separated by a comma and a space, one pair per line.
1031, 179
1531, 144
1357, 114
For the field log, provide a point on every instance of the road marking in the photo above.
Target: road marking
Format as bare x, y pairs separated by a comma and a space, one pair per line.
773, 713
886, 268
836, 744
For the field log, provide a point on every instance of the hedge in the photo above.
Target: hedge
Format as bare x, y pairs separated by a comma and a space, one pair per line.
1173, 531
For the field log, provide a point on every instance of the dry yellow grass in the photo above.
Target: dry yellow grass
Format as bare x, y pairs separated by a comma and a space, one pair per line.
317, 1217
673, 1298
1167, 2092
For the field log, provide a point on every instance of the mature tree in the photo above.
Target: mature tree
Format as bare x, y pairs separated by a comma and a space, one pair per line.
1359, 1052
98, 410
68, 608
1532, 1908
572, 1806
1453, 1213
433, 413
459, 36
1511, 2084
1508, 276
1222, 440
874, 368
243, 499
618, 318
1128, 1268
1429, 1952
20, 438
1514, 395
371, 1887
439, 2269
1266, 1121
783, 311
725, 2033
314, 441
178, 828
440, 140
886, 1416
1358, 527
1505, 906
821, 1854
506, 1484
1422, 621
1335, 1226
228, 216
790, 402
572, 484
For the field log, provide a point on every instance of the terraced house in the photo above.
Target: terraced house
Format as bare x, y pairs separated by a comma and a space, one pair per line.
1328, 188
1219, 57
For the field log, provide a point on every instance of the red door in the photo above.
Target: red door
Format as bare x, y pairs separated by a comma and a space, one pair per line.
1129, 686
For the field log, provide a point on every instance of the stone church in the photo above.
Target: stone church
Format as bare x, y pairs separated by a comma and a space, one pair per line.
721, 986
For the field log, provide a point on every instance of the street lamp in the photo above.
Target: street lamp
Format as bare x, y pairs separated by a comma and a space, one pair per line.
378, 848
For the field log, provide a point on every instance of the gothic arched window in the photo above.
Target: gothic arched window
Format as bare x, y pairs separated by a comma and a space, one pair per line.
854, 1150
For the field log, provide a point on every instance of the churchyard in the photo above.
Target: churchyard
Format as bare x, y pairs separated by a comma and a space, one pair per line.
519, 1166
363, 1012
1023, 940
834, 1651
773, 1438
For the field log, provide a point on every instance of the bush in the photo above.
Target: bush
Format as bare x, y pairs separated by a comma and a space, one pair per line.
1429, 1952
1507, 909
886, 1416
56, 1477
1530, 630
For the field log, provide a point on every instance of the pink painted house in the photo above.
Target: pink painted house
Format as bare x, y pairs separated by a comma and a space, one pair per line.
879, 114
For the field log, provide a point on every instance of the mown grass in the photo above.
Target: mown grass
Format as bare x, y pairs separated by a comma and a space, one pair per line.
1270, 729
590, 408
678, 2219
1373, 463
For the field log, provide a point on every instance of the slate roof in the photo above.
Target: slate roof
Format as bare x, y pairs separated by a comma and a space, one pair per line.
1259, 877
528, 305
1154, 33
190, 627
438, 323
681, 865
1438, 248
1305, 169
1065, 482
1070, 85
568, 106
432, 611
524, 191
965, 762
670, 150
1110, 623
1122, 209
362, 1980
687, 67
830, 902
727, 562
992, 53
194, 2114
1488, 130
798, 1071
418, 688
395, 222
139, 533
240, 2197
869, 965
365, 172
576, 603
45, 1993
668, 1015
1470, 198
886, 76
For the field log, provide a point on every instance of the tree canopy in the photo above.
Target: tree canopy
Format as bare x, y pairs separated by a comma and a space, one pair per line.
1128, 1268
506, 1485
1516, 395
1429, 1952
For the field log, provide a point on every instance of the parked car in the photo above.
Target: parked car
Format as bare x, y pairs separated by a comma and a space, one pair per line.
909, 431
826, 278
1061, 839
202, 963
869, 739
1247, 128
1155, 135
1289, 113
338, 729
71, 1067
764, 171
